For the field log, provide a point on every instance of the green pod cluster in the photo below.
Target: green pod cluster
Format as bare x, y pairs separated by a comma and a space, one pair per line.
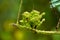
32, 19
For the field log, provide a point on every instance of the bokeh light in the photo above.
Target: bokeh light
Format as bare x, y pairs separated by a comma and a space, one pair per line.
7, 26
18, 35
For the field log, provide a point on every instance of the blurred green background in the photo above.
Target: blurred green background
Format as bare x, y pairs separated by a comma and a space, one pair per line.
8, 15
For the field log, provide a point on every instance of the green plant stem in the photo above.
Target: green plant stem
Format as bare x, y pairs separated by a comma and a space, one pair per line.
19, 12
38, 31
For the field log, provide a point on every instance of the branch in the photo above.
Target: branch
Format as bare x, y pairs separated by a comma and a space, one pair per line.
19, 11
36, 30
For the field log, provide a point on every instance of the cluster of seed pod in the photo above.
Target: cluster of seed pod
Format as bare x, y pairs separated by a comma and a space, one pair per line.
32, 19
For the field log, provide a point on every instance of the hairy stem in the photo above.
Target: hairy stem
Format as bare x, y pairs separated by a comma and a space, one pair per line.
36, 30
